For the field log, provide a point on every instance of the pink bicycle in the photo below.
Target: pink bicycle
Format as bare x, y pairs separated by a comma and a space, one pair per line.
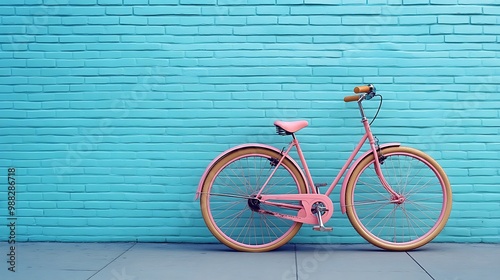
255, 197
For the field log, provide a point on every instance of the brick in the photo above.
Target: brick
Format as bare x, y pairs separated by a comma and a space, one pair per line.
363, 20
17, 20
491, 29
261, 20
491, 10
134, 20
415, 2
289, 2
8, 11
273, 10
82, 2
12, 29
295, 20
443, 2
150, 11
163, 2
335, 10
468, 29
110, 2
453, 19
412, 20
469, 38
119, 11
483, 19
81, 11
198, 2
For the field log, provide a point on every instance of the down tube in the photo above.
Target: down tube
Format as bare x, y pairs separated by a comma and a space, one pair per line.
346, 165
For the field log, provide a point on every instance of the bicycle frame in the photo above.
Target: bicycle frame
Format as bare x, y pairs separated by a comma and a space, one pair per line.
313, 192
374, 149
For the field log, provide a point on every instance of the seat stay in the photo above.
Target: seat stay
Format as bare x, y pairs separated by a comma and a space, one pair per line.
308, 178
283, 156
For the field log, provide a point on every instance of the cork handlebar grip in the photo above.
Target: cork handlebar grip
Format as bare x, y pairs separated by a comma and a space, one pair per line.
363, 89
351, 98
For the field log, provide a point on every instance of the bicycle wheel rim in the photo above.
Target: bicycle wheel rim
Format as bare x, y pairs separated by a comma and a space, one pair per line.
232, 220
412, 223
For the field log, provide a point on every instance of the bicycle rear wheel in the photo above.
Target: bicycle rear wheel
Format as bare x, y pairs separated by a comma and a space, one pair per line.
407, 224
231, 211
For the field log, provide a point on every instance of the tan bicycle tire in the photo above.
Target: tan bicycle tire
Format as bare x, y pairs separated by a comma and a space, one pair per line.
404, 246
216, 168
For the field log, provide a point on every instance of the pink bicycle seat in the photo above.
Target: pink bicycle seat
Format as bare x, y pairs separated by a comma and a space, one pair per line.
291, 127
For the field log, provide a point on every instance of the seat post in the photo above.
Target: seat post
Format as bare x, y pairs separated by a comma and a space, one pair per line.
309, 179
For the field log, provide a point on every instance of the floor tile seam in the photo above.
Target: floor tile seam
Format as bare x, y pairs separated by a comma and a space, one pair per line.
112, 261
421, 266
296, 262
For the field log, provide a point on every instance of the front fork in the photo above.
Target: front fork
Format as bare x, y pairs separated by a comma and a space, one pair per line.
379, 158
379, 161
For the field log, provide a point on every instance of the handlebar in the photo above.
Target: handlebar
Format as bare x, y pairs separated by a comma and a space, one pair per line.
366, 90
363, 89
351, 98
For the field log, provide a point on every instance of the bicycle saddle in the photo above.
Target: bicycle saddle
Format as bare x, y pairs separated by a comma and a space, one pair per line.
287, 128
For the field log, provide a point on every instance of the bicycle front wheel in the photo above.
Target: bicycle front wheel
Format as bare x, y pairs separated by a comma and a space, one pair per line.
407, 224
229, 205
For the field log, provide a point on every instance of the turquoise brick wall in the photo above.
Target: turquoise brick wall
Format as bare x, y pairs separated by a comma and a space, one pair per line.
111, 109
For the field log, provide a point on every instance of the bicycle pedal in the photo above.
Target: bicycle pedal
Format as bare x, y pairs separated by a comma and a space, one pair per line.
320, 228
317, 185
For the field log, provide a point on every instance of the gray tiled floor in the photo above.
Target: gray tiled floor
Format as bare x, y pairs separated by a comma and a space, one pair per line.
145, 261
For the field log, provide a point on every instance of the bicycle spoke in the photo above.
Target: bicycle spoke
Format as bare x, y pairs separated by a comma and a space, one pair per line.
416, 219
227, 207
246, 184
269, 187
407, 177
273, 227
244, 226
412, 191
234, 185
424, 206
383, 202
425, 214
374, 213
374, 188
410, 226
234, 216
384, 219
